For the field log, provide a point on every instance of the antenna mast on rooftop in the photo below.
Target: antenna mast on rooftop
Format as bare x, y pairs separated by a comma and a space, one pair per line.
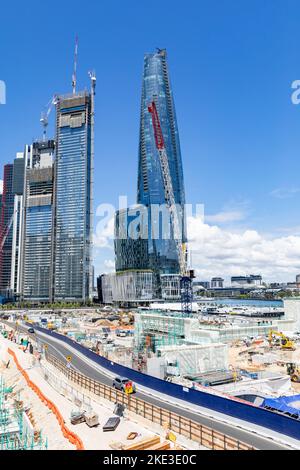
74, 76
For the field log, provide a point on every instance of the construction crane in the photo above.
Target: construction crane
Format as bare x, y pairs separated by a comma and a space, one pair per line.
286, 343
186, 280
74, 76
45, 115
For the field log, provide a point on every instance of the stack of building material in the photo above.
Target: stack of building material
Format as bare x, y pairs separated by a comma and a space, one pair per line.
146, 443
116, 445
160, 446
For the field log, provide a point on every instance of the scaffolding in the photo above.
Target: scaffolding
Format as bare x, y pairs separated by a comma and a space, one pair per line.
164, 346
154, 330
15, 430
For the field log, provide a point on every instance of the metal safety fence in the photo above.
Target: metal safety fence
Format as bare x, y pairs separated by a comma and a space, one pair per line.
203, 435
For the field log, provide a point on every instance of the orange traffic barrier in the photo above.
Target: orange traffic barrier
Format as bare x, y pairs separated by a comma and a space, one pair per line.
71, 436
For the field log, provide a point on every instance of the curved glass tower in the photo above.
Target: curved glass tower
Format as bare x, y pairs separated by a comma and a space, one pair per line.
163, 257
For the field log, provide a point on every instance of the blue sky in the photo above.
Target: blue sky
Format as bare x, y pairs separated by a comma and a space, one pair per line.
231, 63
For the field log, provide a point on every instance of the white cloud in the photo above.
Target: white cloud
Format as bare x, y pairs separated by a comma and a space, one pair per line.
225, 217
219, 251
1, 186
284, 193
109, 264
103, 238
216, 251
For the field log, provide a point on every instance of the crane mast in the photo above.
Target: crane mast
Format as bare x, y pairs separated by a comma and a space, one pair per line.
168, 186
74, 76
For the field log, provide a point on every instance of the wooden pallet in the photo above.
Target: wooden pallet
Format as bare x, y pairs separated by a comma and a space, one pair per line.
143, 443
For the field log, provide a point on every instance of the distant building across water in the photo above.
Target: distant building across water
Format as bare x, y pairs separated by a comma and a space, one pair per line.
252, 279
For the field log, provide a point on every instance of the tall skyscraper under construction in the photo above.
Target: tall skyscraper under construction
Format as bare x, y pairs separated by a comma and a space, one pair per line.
36, 261
6, 232
18, 188
73, 176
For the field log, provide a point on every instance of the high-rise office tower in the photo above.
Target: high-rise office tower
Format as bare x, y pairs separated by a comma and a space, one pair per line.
152, 251
131, 249
17, 187
1, 192
6, 224
72, 242
162, 253
36, 266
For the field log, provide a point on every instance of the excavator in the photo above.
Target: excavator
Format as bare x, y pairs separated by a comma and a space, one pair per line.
286, 343
293, 371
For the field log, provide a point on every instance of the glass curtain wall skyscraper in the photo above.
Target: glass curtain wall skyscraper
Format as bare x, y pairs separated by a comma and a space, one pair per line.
36, 266
131, 250
6, 232
72, 268
162, 253
18, 188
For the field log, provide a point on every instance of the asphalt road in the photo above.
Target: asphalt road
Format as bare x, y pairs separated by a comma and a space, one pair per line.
59, 350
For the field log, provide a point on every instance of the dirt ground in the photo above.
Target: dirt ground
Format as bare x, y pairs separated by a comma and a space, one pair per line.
239, 360
44, 420
93, 438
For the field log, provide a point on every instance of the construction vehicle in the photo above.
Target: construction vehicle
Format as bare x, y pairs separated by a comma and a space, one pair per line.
293, 370
285, 343
186, 278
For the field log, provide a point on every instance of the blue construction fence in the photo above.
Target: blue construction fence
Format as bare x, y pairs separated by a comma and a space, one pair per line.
231, 407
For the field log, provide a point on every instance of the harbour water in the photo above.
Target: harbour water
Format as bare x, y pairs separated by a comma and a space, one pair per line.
243, 302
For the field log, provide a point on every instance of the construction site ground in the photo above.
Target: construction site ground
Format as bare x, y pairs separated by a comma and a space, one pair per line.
241, 361
43, 418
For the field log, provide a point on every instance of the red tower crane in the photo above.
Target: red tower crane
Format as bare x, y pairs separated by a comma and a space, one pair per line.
168, 186
186, 280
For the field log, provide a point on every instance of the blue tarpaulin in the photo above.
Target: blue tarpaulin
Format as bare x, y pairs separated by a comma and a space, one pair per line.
289, 405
